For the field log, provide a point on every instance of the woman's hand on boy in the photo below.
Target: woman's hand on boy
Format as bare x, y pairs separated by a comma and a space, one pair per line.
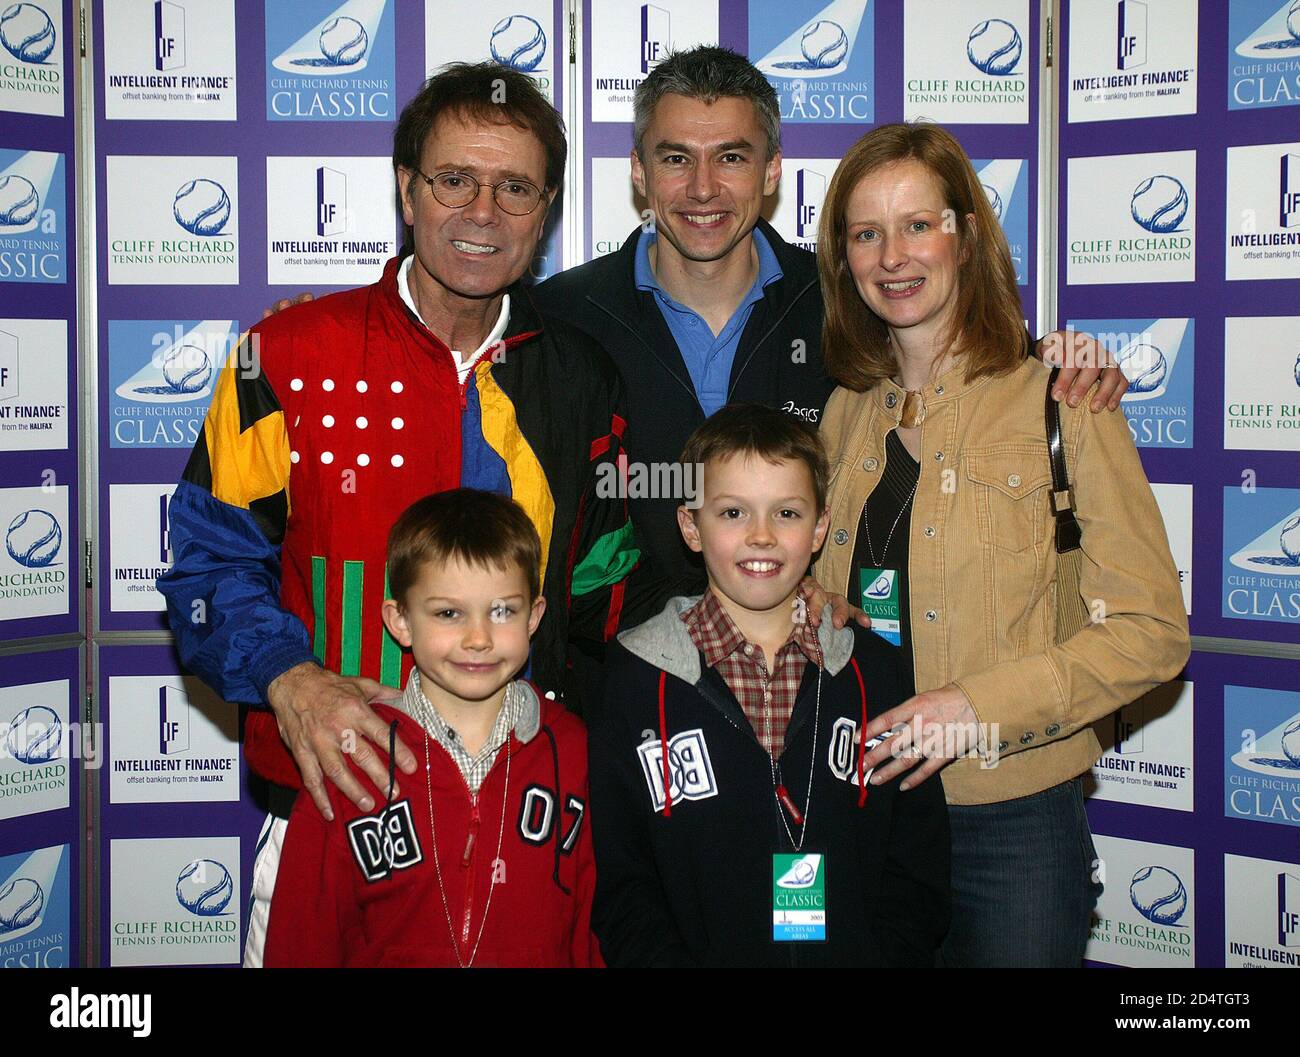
930, 729
323, 717
816, 598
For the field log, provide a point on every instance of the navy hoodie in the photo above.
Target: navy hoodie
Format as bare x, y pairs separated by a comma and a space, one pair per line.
685, 879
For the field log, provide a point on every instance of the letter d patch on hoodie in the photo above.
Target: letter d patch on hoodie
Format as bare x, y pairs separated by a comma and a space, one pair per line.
690, 771
385, 842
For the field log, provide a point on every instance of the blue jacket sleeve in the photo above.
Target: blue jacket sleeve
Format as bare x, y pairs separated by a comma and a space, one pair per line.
227, 520
223, 598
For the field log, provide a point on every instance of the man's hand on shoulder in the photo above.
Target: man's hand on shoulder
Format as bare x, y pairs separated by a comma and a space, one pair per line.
288, 302
1082, 362
322, 717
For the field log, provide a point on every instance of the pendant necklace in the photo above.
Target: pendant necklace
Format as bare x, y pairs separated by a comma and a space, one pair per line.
866, 527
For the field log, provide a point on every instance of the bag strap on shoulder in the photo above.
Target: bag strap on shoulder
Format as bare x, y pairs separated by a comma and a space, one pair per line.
1068, 533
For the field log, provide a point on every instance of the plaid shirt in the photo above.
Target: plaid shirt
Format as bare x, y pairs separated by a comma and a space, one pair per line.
473, 768
767, 700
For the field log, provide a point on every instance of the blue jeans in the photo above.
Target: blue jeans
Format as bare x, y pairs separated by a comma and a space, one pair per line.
1023, 881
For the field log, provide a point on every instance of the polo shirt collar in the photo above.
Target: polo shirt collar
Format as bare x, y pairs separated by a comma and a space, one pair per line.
769, 268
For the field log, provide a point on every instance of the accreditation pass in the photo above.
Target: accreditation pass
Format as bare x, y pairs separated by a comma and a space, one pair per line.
798, 898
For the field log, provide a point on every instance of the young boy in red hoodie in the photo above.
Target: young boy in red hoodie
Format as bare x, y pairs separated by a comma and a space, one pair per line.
483, 858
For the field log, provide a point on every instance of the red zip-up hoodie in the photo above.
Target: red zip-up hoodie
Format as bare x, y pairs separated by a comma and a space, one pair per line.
364, 890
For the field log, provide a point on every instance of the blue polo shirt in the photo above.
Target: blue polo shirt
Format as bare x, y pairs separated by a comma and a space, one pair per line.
708, 358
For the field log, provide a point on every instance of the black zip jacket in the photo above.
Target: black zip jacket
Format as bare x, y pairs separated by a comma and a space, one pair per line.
691, 885
778, 363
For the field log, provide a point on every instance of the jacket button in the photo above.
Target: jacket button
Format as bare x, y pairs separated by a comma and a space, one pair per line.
1003, 746
938, 456
870, 464
1014, 480
1052, 730
841, 537
890, 400
931, 615
1026, 737
938, 390
929, 531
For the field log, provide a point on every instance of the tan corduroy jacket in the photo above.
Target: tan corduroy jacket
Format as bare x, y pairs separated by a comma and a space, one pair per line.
982, 568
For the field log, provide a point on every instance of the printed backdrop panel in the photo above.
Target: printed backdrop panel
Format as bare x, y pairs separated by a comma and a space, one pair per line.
179, 817
1179, 243
45, 748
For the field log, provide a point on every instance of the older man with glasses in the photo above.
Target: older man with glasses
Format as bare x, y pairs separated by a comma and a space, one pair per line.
334, 416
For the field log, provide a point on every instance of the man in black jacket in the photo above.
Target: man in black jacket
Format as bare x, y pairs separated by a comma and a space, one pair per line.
705, 304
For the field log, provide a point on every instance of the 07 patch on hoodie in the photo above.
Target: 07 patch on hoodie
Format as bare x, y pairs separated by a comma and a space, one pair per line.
689, 772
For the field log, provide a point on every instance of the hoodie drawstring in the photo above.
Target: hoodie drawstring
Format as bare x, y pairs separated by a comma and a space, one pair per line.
388, 800
862, 741
663, 744
555, 760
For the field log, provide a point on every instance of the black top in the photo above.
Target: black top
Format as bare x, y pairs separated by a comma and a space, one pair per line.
693, 887
882, 538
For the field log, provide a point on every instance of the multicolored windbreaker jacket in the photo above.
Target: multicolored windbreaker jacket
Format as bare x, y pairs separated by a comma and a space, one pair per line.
329, 420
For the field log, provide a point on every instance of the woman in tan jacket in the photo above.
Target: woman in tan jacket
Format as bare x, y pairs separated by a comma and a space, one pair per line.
942, 529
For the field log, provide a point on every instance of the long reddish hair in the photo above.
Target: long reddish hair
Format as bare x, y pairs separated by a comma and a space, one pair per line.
988, 321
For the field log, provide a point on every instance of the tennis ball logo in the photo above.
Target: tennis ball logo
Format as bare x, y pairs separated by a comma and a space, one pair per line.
343, 41
1158, 895
1291, 741
1293, 19
27, 32
186, 369
34, 538
1296, 370
204, 888
35, 735
824, 44
518, 41
881, 588
1289, 540
202, 207
1144, 366
994, 47
19, 202
21, 903
995, 200
1159, 204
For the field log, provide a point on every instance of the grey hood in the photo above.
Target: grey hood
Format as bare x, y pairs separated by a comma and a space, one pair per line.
664, 641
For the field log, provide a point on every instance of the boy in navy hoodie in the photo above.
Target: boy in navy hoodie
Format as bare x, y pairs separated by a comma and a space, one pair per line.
733, 820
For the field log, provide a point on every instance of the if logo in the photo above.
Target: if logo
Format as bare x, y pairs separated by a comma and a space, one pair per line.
656, 36
1128, 729
164, 530
168, 35
8, 366
810, 193
1288, 910
173, 721
1132, 33
1289, 187
331, 201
